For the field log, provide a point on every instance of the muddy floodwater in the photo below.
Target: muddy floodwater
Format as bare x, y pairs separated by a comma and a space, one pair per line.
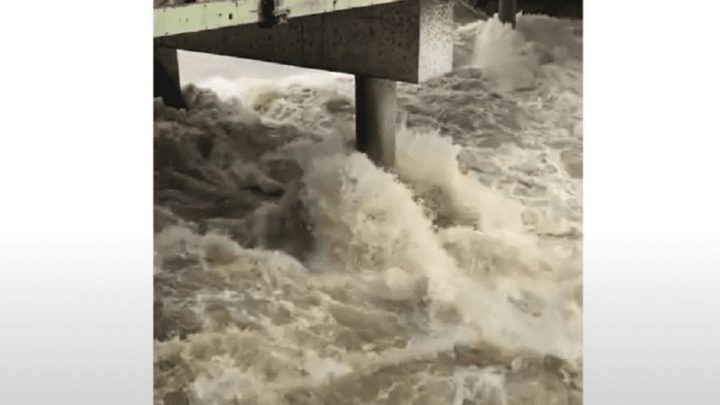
289, 269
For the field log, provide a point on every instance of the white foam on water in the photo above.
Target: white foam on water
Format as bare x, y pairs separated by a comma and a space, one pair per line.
289, 266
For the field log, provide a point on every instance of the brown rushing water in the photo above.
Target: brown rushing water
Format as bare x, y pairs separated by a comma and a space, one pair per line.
291, 270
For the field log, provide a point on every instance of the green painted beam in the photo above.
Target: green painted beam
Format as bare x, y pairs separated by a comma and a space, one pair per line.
194, 17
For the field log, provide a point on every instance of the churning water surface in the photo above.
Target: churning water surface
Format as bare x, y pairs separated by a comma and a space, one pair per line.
289, 269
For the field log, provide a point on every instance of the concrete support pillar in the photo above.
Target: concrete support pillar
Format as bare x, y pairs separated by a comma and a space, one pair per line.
507, 10
375, 118
167, 77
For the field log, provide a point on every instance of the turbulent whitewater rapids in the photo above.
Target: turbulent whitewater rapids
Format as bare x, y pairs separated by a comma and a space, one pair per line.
291, 270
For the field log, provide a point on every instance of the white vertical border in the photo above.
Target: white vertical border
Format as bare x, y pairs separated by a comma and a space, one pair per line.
652, 212
76, 202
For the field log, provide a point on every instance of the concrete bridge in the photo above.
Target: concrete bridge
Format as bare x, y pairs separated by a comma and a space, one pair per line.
379, 41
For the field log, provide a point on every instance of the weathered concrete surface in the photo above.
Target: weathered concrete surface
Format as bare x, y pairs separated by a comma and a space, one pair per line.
166, 77
507, 10
174, 17
409, 41
375, 105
